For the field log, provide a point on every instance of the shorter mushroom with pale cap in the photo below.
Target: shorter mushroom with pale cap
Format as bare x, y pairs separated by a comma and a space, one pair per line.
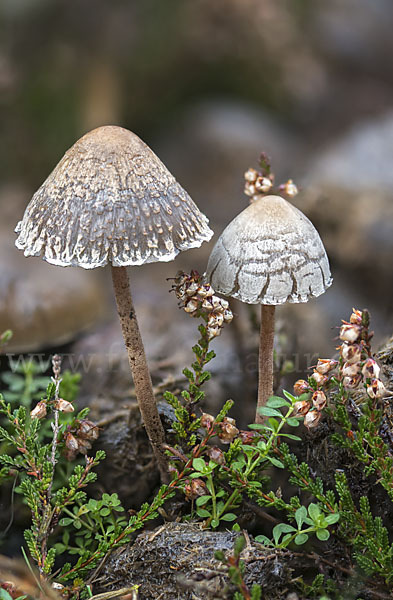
111, 200
269, 254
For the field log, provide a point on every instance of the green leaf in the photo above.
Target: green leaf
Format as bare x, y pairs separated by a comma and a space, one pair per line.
291, 437
314, 511
65, 522
300, 516
202, 512
280, 529
330, 519
202, 500
4, 595
262, 539
293, 422
301, 539
323, 534
277, 402
269, 412
199, 464
215, 523
228, 517
273, 424
275, 461
289, 396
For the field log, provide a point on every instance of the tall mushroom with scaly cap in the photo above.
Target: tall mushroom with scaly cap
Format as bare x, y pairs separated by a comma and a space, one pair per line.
111, 200
269, 254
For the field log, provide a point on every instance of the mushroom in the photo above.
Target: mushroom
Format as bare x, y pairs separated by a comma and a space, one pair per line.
269, 254
111, 200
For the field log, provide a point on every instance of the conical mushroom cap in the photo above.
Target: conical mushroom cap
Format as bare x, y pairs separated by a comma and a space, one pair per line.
269, 254
110, 200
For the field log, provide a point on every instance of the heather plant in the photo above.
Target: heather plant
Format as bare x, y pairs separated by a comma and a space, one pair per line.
216, 467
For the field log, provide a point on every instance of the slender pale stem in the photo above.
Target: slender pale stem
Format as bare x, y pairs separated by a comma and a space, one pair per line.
138, 364
266, 345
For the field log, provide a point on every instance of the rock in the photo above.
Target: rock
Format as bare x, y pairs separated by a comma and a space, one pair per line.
44, 306
357, 32
356, 227
219, 141
177, 560
360, 160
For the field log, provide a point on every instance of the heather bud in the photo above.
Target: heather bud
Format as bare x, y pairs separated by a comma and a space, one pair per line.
191, 306
352, 382
248, 437
351, 352
83, 446
263, 184
192, 288
251, 175
249, 189
301, 408
350, 333
71, 442
318, 378
228, 431
205, 290
312, 419
215, 320
207, 305
228, 316
207, 420
319, 400
195, 488
371, 369
213, 332
39, 411
87, 429
63, 405
216, 301
289, 188
376, 389
324, 365
350, 369
216, 455
301, 387
356, 317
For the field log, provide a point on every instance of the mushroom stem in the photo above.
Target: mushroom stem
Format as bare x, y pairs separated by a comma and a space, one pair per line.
266, 346
140, 372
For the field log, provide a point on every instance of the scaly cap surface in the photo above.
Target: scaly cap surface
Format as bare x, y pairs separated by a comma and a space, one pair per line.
110, 200
269, 254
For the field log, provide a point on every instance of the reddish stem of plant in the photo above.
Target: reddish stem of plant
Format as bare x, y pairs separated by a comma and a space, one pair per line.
138, 364
266, 346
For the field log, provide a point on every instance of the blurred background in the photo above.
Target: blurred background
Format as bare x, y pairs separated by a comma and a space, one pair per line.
208, 85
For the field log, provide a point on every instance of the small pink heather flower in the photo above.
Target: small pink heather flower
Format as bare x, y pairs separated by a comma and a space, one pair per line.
371, 369
356, 317
301, 408
350, 369
324, 365
350, 333
351, 353
319, 400
312, 419
301, 387
376, 389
